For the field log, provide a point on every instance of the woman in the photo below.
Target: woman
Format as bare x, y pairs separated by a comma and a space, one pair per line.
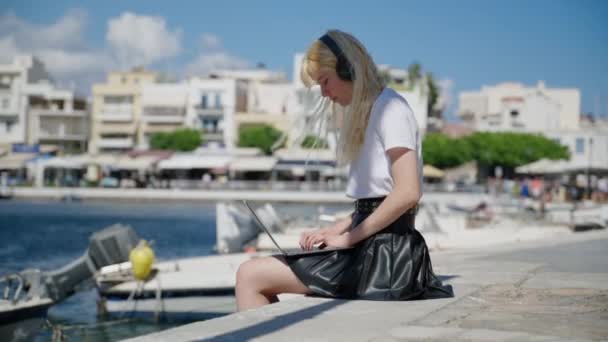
379, 137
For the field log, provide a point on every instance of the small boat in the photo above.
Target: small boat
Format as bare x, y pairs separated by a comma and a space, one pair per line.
6, 191
185, 289
27, 295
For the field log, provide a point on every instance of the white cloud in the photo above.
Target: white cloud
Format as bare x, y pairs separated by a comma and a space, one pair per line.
142, 40
65, 33
131, 40
74, 62
210, 41
60, 46
207, 62
8, 49
213, 56
446, 88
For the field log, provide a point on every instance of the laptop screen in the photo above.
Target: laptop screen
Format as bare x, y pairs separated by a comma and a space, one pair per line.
263, 227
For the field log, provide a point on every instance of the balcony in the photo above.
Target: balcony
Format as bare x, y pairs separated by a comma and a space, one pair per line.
115, 117
162, 119
9, 113
116, 113
61, 136
59, 113
115, 143
116, 128
213, 136
209, 111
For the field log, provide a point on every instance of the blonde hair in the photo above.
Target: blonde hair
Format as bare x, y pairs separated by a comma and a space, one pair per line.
367, 85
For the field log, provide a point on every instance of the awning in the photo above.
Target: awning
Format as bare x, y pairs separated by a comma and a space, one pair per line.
432, 172
306, 154
253, 164
62, 163
301, 168
15, 161
194, 161
543, 166
140, 163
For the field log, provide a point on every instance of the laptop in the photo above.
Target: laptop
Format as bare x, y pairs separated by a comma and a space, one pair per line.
316, 250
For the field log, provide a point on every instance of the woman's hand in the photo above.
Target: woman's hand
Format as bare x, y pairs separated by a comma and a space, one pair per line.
339, 241
309, 239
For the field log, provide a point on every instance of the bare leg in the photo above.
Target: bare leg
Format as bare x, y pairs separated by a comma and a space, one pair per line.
259, 281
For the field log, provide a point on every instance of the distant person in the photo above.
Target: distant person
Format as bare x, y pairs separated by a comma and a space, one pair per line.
389, 259
525, 189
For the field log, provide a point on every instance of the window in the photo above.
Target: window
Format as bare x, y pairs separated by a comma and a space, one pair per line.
204, 101
5, 103
218, 101
514, 113
580, 145
9, 125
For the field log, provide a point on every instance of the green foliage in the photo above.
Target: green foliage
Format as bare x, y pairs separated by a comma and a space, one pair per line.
505, 149
433, 93
414, 73
179, 140
442, 151
514, 149
311, 141
260, 136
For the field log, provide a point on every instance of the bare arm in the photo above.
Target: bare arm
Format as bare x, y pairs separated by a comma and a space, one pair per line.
340, 227
309, 239
405, 194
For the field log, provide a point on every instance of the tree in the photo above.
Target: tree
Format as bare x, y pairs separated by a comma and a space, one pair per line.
514, 149
312, 141
506, 149
443, 152
433, 95
261, 136
414, 73
184, 139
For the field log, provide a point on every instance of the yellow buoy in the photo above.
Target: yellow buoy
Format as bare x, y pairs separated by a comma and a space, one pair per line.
141, 258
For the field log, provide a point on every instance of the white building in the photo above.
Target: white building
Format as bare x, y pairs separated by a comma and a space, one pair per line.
415, 95
211, 108
116, 124
13, 106
56, 118
515, 107
163, 109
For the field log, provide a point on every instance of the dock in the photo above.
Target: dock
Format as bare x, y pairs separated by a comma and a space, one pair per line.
549, 290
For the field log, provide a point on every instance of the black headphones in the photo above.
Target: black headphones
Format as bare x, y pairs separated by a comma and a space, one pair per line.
344, 69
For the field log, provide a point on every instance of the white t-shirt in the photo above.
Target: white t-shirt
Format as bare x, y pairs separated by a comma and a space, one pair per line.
391, 124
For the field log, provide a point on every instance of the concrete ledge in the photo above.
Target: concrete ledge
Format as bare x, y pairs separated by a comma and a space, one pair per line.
496, 299
308, 319
184, 195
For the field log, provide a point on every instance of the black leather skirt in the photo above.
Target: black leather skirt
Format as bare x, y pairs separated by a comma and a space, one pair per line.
393, 264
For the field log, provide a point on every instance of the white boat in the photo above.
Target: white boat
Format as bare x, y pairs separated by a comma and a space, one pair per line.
27, 295
183, 289
6, 191
236, 229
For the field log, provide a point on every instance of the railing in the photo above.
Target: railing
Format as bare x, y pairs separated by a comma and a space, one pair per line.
59, 112
115, 143
122, 112
9, 112
163, 118
252, 185
209, 111
116, 117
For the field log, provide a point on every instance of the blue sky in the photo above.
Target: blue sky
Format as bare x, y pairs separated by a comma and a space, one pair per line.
466, 44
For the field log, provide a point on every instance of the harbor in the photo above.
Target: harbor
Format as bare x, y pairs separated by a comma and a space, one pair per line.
546, 290
429, 172
193, 280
